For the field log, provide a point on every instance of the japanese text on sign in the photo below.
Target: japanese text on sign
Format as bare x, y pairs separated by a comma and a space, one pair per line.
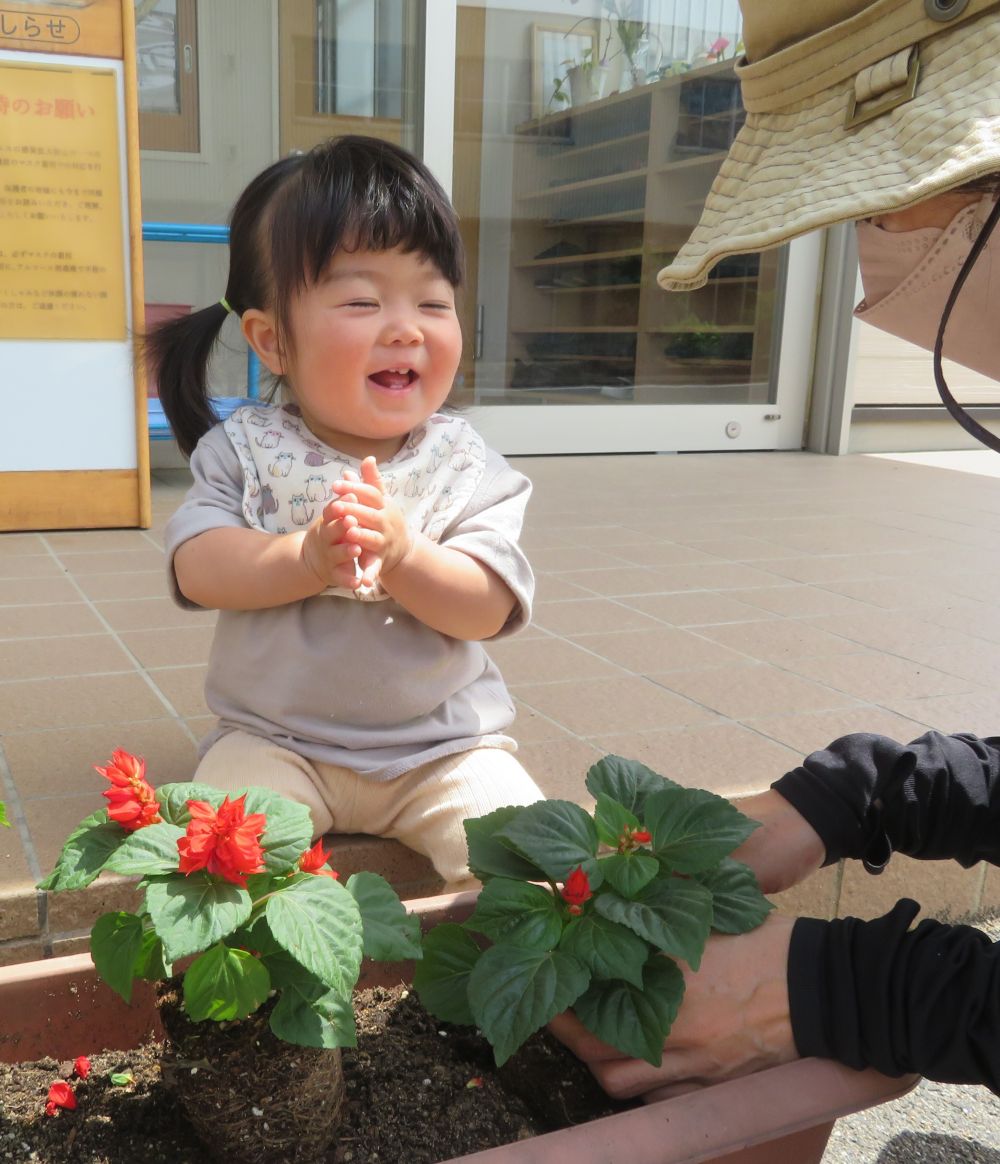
62, 263
19, 28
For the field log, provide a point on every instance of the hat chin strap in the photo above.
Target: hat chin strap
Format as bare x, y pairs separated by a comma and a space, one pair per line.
971, 426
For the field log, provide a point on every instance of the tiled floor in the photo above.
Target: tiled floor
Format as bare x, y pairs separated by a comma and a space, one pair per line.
715, 616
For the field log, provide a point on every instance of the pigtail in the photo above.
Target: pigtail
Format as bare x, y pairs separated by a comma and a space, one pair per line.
177, 352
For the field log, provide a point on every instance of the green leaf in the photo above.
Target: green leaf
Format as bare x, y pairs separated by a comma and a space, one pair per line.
150, 963
674, 915
121, 1078
635, 1019
149, 850
256, 936
225, 984
626, 781
85, 852
173, 799
116, 943
514, 992
612, 819
390, 934
489, 856
314, 1019
517, 913
318, 922
737, 902
193, 914
288, 832
607, 949
3, 815
441, 979
629, 873
557, 836
693, 829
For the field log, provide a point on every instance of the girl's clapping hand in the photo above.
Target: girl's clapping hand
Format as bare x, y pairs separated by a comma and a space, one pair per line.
377, 529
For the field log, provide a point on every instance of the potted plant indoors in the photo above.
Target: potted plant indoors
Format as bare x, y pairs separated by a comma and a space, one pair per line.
254, 943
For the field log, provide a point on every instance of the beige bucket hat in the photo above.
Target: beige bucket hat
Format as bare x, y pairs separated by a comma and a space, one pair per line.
853, 108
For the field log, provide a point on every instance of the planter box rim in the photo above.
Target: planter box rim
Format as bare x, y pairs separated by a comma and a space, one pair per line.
715, 1123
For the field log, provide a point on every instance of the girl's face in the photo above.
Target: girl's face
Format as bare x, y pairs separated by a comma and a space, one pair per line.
376, 344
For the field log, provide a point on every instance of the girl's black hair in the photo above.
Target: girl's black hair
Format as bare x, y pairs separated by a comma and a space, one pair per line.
356, 193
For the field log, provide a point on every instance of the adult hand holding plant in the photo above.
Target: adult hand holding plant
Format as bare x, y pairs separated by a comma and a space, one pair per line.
644, 880
734, 1020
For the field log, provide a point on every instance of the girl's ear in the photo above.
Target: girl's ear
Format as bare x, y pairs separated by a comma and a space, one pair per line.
259, 332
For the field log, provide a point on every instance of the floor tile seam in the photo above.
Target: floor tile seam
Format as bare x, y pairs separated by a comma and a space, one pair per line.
724, 592
745, 656
589, 740
146, 721
760, 728
988, 643
719, 718
138, 667
977, 684
69, 675
788, 670
745, 722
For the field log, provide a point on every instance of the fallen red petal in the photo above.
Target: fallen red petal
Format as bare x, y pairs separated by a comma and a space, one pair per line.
60, 1095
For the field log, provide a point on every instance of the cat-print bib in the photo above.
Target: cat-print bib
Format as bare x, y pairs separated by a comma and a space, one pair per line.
288, 474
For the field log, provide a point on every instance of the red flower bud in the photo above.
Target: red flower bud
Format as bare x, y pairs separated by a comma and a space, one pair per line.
60, 1095
577, 889
225, 842
313, 860
642, 836
131, 799
81, 1066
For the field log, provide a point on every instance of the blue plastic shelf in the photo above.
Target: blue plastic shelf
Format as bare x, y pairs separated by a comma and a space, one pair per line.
197, 232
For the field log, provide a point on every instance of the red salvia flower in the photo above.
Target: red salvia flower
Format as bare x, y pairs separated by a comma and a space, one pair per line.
225, 842
643, 836
313, 860
131, 799
60, 1095
577, 890
81, 1066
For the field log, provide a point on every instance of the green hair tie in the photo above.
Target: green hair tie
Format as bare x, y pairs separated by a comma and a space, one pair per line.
225, 303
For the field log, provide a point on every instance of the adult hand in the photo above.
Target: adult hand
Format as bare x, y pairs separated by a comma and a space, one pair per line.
733, 1021
379, 529
785, 849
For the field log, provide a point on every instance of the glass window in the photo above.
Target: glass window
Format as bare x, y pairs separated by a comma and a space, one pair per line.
348, 66
595, 138
167, 67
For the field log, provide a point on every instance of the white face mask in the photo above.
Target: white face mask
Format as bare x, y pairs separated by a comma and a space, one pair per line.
908, 276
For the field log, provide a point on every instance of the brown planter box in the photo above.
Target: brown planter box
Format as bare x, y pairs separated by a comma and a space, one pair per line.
58, 1007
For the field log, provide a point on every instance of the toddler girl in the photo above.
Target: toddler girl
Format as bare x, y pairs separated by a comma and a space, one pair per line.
358, 543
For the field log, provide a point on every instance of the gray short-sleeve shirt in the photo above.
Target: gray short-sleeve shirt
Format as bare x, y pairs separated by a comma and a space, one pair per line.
364, 685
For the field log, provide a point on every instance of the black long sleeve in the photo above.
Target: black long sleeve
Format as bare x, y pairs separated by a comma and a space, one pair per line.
877, 993
868, 796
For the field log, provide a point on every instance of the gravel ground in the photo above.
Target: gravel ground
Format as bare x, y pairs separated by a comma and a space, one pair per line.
936, 1123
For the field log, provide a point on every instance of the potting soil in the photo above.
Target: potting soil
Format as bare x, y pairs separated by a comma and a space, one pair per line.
418, 1092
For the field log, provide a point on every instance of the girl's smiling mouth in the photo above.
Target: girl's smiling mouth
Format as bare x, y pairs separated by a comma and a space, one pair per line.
394, 379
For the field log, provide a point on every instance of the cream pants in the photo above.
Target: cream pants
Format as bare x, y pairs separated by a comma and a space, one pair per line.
424, 808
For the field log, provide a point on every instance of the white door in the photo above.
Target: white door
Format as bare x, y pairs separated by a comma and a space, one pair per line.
576, 180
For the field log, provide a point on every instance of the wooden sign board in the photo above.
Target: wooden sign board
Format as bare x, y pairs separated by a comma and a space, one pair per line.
76, 455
